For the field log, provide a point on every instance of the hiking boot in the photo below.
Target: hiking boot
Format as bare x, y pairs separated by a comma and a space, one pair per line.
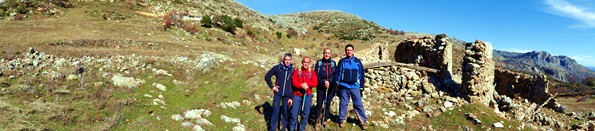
342, 125
364, 126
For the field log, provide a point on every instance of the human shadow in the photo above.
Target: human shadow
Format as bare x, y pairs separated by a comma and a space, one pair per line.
266, 110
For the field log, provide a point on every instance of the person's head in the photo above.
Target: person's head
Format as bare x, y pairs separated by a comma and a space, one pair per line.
287, 59
306, 62
349, 50
326, 53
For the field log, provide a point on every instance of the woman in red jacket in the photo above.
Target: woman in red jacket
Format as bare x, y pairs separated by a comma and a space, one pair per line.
303, 80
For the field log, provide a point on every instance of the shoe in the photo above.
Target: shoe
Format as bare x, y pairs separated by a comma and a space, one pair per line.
364, 126
325, 124
317, 126
342, 125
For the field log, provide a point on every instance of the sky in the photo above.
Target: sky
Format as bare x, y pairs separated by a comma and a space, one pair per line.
560, 27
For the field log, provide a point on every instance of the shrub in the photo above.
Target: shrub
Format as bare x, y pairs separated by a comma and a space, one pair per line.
238, 23
206, 21
228, 24
279, 35
291, 33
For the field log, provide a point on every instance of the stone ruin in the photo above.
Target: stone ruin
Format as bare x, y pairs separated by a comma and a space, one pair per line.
478, 73
423, 67
429, 52
525, 86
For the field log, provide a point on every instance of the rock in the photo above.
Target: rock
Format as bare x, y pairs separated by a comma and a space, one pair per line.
448, 104
473, 118
390, 114
160, 72
160, 86
203, 121
72, 77
129, 82
196, 113
229, 119
498, 125
187, 124
297, 51
239, 127
158, 102
177, 117
197, 128
148, 96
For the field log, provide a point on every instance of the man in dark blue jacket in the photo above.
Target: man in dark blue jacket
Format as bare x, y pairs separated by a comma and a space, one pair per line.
282, 91
349, 76
325, 68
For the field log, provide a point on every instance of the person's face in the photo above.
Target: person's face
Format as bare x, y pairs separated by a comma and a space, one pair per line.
287, 60
327, 54
306, 63
349, 51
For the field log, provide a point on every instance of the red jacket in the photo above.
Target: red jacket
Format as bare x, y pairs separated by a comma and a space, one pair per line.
303, 75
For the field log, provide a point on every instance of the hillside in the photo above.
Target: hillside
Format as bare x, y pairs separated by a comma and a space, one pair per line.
158, 65
559, 67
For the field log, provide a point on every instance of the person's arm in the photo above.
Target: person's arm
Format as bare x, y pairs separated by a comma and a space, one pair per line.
268, 76
317, 70
337, 73
313, 82
361, 74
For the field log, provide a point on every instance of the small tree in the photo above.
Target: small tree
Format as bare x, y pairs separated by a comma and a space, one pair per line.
206, 21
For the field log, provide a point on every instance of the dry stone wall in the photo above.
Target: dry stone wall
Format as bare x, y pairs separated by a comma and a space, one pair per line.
532, 88
478, 72
429, 52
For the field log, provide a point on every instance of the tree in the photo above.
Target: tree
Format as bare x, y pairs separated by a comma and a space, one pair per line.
206, 21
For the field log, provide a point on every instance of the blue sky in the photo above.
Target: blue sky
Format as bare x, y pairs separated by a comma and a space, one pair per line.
560, 27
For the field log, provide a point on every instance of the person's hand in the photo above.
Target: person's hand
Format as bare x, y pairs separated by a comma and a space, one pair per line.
289, 102
305, 86
327, 84
276, 88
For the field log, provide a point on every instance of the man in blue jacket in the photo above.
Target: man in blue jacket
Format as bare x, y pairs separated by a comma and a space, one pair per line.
349, 76
325, 68
282, 91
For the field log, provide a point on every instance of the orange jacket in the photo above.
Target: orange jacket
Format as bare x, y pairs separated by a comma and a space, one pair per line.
303, 75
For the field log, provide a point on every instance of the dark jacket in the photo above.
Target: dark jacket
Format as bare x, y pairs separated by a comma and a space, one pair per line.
350, 73
283, 79
325, 69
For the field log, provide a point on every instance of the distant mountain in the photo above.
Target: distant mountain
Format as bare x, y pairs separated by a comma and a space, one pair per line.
559, 67
591, 67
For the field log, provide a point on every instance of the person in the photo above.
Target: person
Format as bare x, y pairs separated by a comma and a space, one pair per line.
303, 80
350, 79
324, 70
282, 92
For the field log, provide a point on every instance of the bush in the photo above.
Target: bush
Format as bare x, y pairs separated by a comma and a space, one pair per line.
206, 21
291, 33
279, 35
238, 23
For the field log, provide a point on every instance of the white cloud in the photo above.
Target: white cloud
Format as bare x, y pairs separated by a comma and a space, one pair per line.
567, 9
516, 50
584, 60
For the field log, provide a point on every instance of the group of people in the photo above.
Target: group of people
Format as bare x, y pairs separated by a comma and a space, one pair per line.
293, 90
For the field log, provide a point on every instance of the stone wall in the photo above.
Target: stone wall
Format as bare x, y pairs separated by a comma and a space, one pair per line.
429, 52
478, 73
532, 88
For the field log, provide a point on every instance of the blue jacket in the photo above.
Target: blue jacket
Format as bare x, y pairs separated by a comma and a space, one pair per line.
283, 79
350, 73
321, 71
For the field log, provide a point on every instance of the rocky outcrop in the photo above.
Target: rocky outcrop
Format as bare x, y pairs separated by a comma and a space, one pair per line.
532, 88
540, 62
478, 73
